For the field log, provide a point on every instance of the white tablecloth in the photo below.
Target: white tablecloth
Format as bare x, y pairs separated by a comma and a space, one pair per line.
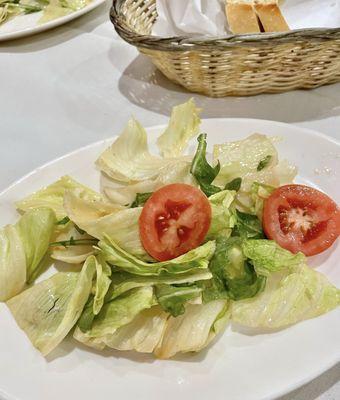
79, 83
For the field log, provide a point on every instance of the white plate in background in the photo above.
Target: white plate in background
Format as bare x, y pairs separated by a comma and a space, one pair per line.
239, 366
26, 25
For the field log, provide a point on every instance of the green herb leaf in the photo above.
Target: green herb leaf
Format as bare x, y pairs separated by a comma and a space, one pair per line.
248, 226
75, 242
141, 199
264, 163
203, 172
235, 184
63, 221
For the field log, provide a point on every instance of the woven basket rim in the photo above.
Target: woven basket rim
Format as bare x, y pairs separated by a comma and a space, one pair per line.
187, 42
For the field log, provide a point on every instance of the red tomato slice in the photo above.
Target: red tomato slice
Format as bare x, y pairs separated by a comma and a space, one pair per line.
300, 218
174, 220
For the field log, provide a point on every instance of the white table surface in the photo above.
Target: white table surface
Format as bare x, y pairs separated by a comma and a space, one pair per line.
79, 83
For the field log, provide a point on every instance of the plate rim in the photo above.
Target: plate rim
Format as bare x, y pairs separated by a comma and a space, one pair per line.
275, 394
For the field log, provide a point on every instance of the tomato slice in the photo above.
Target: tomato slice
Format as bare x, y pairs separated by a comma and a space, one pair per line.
174, 220
300, 218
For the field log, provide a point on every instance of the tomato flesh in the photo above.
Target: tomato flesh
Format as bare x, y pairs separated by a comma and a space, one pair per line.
174, 220
300, 218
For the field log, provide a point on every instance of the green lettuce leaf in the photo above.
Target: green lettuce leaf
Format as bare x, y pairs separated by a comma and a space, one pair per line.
49, 310
247, 226
12, 263
142, 334
173, 298
103, 282
120, 311
124, 281
183, 126
128, 158
53, 196
267, 256
289, 297
35, 229
193, 330
233, 276
223, 218
196, 259
203, 172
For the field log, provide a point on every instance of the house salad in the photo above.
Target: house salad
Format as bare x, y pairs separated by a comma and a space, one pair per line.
175, 247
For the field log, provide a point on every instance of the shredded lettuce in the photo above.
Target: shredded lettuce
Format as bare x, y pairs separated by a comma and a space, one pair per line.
183, 126
49, 310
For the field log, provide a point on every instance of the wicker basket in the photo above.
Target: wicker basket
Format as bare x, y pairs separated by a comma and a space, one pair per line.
235, 65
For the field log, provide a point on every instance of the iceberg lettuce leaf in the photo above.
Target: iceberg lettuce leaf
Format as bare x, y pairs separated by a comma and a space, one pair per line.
289, 297
12, 263
35, 229
53, 196
223, 217
183, 125
193, 330
47, 311
196, 259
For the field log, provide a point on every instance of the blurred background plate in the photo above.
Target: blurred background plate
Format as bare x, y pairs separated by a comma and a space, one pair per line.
26, 25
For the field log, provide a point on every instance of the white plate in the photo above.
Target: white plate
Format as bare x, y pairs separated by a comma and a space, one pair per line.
239, 366
26, 25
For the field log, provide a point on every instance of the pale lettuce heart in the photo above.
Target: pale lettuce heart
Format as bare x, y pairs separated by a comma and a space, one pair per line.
193, 330
71, 254
183, 125
253, 159
177, 172
47, 311
223, 218
128, 159
53, 196
12, 263
196, 259
99, 219
288, 298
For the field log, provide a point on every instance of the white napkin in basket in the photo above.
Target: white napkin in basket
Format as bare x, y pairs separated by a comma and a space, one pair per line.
190, 17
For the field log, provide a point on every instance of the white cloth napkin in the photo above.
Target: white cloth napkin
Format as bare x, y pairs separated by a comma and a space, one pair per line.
207, 17
190, 17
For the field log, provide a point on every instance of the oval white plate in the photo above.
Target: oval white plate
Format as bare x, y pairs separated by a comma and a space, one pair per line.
26, 25
239, 366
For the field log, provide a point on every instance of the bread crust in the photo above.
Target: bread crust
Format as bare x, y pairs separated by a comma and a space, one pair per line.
242, 18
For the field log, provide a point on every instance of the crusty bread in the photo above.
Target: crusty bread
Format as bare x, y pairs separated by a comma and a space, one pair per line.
242, 17
252, 16
270, 16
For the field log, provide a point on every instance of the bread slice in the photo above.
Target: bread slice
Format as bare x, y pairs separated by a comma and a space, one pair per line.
270, 15
242, 17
